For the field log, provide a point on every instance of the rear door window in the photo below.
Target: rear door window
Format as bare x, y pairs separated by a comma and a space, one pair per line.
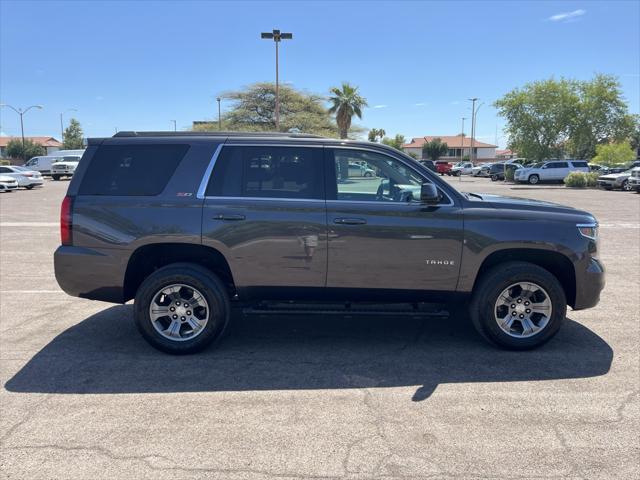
140, 170
580, 164
268, 172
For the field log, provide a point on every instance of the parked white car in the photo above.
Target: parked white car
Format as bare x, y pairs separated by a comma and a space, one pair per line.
65, 167
26, 178
551, 171
7, 183
462, 168
480, 170
42, 164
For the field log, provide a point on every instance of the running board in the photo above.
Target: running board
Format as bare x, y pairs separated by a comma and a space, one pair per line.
347, 308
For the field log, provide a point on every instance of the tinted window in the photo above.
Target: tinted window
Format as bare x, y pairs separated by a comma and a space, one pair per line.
131, 169
580, 164
5, 170
268, 172
558, 165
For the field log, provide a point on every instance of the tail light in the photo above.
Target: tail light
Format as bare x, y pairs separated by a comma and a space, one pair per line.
66, 224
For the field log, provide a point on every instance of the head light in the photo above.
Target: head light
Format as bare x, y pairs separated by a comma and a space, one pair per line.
589, 230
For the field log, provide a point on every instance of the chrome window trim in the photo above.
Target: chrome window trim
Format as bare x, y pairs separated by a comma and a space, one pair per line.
273, 145
277, 199
406, 204
207, 173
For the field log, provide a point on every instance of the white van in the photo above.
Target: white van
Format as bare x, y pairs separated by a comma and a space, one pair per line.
42, 164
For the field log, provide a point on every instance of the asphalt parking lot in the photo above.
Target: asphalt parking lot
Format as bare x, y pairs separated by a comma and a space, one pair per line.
83, 396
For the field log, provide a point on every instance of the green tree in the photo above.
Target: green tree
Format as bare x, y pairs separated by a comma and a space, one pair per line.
375, 134
73, 136
614, 154
634, 136
539, 117
395, 142
550, 118
602, 116
345, 103
252, 109
31, 149
434, 149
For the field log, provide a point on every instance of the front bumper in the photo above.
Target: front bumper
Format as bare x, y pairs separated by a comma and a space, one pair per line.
96, 274
589, 284
8, 186
608, 183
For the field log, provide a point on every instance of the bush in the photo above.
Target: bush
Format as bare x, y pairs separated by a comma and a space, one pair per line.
592, 179
508, 174
576, 180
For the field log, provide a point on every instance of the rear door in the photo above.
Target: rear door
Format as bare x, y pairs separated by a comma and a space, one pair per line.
380, 235
265, 210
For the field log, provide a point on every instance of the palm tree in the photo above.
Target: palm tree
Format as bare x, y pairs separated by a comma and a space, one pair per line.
435, 149
346, 102
376, 133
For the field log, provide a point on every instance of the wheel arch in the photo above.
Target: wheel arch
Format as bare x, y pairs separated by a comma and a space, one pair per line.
559, 265
148, 258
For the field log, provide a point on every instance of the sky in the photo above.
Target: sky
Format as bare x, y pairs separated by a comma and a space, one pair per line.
139, 65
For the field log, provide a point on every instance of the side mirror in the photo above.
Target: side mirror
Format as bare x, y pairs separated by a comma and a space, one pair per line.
429, 193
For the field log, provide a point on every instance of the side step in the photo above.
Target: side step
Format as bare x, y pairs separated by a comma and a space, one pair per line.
346, 308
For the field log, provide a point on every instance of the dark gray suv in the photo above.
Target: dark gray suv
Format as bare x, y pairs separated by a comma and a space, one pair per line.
188, 224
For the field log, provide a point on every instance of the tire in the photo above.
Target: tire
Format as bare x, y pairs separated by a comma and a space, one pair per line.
494, 178
488, 291
368, 174
188, 276
29, 187
55, 177
534, 179
626, 186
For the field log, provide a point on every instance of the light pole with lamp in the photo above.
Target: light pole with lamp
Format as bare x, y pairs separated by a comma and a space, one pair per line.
21, 112
175, 127
276, 36
62, 124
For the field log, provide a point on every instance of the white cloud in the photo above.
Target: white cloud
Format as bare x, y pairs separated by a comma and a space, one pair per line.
567, 16
380, 106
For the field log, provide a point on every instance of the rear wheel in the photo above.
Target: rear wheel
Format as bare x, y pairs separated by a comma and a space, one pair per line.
181, 308
494, 178
518, 306
626, 186
55, 177
28, 187
534, 179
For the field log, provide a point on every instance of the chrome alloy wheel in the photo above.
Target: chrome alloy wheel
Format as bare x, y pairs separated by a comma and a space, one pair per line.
523, 309
179, 312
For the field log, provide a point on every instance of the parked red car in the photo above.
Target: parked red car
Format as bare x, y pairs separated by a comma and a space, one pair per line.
443, 168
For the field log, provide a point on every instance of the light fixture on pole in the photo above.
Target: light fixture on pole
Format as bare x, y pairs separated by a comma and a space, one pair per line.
21, 112
62, 124
219, 117
277, 36
175, 126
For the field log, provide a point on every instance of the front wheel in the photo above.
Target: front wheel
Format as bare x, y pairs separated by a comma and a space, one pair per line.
518, 306
494, 178
626, 186
181, 308
55, 177
534, 179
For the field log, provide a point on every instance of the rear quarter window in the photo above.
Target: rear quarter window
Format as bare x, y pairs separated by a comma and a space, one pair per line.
131, 170
580, 164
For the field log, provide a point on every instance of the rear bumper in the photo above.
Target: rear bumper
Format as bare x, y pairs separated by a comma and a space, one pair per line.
91, 273
589, 284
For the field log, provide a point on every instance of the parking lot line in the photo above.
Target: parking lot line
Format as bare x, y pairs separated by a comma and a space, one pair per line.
29, 224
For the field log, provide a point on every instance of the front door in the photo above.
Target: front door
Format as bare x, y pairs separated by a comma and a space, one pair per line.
380, 235
265, 211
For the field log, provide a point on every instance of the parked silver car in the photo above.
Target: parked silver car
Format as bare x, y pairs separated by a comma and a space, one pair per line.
7, 184
25, 177
613, 181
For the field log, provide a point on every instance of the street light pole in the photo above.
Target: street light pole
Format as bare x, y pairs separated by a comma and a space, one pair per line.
277, 36
175, 127
462, 143
473, 114
219, 117
62, 124
21, 112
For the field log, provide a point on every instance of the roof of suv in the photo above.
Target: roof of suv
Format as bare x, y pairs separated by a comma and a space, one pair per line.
270, 136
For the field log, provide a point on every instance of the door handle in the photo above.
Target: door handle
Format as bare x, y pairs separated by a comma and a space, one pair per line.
221, 216
349, 221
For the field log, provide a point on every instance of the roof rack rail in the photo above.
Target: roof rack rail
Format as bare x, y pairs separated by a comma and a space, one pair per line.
216, 134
